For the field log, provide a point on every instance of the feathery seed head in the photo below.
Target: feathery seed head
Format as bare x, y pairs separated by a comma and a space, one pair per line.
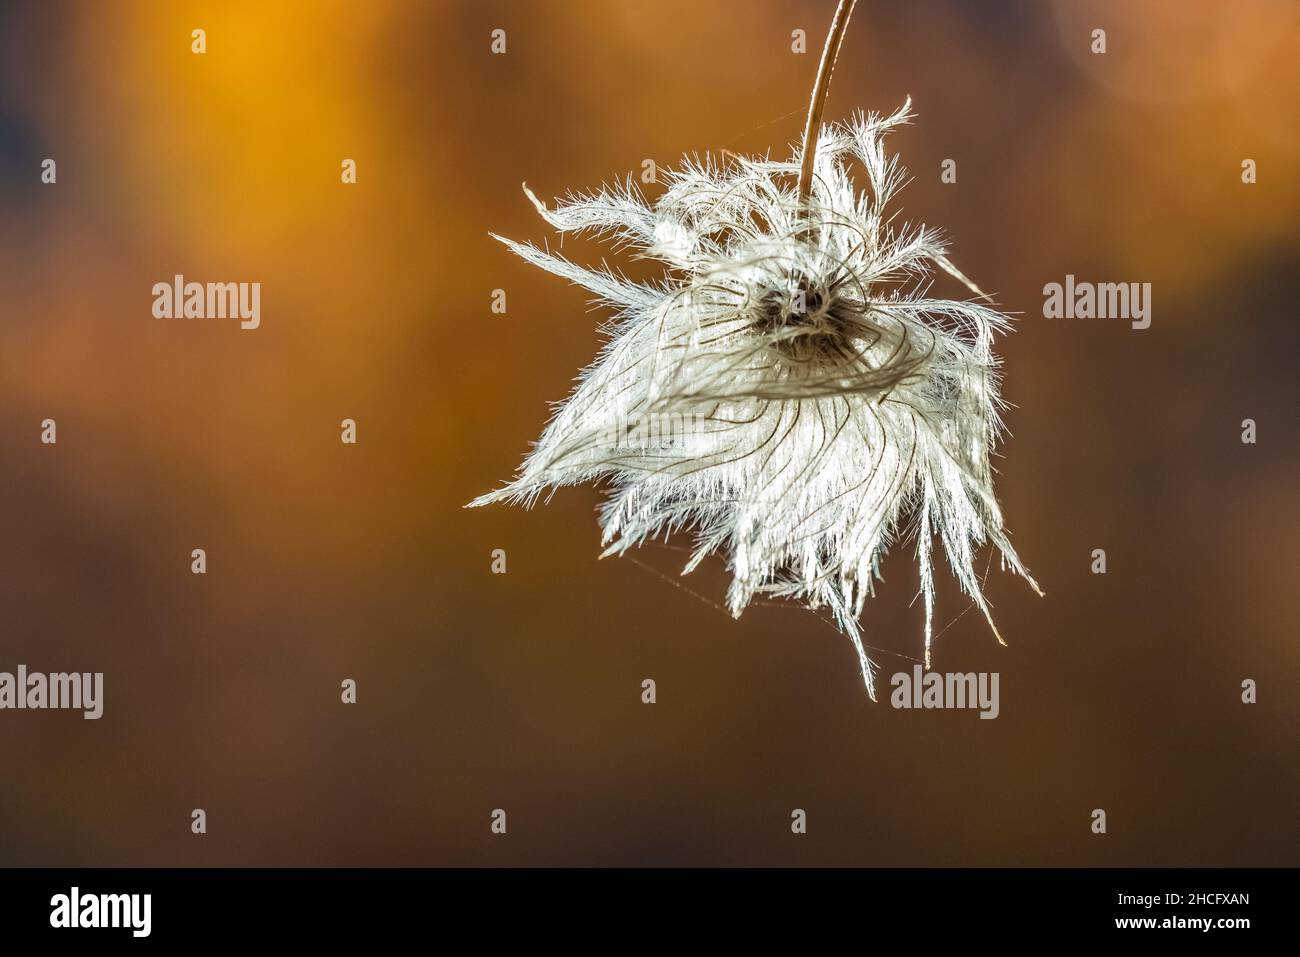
830, 403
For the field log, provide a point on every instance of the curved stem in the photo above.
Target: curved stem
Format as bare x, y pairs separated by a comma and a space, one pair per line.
820, 88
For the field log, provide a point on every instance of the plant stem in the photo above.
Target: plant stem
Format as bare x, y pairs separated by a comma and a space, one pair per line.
820, 88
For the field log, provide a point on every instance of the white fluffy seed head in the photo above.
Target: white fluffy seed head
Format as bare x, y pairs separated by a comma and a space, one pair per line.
807, 400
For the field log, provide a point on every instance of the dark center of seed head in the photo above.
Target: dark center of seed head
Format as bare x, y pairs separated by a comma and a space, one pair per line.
805, 323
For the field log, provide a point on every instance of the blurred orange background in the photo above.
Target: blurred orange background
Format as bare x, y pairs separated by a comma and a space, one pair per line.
522, 691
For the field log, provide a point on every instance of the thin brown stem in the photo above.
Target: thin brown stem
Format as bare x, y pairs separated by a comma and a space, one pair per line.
820, 88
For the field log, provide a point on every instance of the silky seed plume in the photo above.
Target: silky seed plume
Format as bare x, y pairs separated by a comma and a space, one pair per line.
788, 391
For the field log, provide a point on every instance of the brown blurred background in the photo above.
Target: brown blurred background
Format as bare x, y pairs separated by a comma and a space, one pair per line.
522, 691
